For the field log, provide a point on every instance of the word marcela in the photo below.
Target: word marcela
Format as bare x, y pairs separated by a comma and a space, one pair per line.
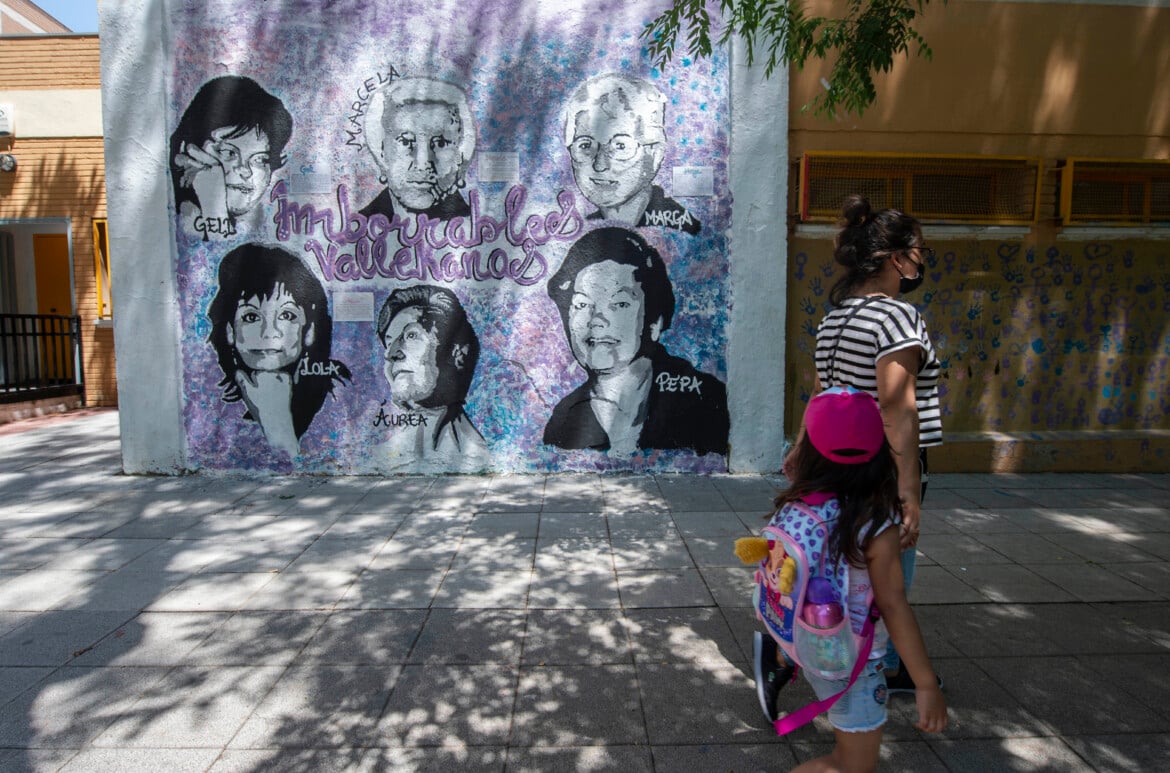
357, 247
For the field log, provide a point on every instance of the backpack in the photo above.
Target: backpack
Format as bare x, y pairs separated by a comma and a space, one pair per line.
798, 539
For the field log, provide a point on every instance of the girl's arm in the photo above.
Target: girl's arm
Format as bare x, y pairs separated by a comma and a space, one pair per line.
897, 375
885, 573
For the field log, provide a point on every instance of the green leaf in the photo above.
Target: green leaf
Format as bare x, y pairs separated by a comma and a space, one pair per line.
865, 39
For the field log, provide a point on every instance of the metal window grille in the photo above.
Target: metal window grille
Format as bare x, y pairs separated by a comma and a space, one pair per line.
989, 190
1115, 192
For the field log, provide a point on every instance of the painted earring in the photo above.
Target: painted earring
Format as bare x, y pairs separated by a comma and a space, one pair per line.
382, 179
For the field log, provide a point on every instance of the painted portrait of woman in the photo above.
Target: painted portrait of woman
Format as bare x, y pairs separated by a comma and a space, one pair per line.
615, 300
422, 137
430, 351
272, 334
228, 143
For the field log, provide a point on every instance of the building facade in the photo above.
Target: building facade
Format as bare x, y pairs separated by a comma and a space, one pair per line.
52, 219
1035, 148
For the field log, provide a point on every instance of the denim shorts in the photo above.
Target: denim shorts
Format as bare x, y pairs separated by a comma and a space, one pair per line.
861, 709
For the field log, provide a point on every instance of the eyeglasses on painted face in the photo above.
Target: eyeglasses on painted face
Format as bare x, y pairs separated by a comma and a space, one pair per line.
621, 147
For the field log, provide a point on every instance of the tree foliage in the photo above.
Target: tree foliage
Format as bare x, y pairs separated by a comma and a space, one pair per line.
862, 41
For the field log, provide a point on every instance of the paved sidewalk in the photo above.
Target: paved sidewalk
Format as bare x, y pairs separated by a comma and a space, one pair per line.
535, 623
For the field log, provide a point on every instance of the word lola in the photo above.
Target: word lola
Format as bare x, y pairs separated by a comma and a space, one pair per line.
668, 383
318, 369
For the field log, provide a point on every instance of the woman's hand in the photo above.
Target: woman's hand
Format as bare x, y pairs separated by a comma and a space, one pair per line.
203, 173
908, 530
268, 395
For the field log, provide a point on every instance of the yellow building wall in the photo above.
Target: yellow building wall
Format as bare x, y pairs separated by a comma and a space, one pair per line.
1034, 79
1055, 341
62, 177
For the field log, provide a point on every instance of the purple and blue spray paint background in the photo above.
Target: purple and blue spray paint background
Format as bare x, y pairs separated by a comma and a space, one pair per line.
518, 62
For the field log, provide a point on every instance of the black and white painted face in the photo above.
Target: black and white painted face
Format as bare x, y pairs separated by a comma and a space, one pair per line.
610, 162
606, 316
246, 167
269, 333
421, 152
411, 358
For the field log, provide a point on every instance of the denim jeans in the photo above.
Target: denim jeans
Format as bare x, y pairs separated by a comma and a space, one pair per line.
909, 560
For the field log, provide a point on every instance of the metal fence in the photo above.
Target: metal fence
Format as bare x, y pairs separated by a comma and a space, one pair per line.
40, 356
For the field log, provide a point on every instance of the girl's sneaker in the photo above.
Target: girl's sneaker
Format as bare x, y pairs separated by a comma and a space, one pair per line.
770, 675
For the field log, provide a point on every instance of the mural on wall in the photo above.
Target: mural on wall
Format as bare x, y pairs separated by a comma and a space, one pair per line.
422, 137
1060, 337
271, 331
431, 351
616, 300
615, 130
228, 143
517, 237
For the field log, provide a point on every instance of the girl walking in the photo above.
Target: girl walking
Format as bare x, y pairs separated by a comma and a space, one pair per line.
842, 469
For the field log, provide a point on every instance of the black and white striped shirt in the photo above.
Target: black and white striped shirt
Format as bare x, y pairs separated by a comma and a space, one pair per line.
880, 327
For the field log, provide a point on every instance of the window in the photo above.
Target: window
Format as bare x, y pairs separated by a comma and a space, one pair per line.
1115, 192
101, 260
989, 190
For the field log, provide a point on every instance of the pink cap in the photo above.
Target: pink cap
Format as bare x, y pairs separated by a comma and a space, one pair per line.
845, 425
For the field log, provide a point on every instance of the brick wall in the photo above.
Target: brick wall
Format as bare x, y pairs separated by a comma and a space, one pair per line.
62, 177
50, 62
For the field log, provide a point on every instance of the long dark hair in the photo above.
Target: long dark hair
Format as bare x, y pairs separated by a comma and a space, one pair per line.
867, 493
236, 101
254, 270
866, 239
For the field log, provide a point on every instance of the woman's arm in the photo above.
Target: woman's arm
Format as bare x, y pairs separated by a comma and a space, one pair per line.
268, 396
817, 389
204, 174
897, 375
885, 574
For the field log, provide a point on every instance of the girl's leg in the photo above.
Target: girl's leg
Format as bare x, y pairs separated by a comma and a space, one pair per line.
854, 753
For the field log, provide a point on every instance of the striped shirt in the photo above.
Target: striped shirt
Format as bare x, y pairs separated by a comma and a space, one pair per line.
882, 326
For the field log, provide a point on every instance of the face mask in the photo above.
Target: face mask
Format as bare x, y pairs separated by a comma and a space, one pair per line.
910, 284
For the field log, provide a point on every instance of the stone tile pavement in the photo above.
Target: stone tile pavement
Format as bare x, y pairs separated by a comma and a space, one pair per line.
535, 623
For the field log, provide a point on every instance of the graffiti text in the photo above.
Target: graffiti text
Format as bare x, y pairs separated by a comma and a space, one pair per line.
357, 247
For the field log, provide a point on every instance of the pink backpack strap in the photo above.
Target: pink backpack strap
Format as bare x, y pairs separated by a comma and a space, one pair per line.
803, 716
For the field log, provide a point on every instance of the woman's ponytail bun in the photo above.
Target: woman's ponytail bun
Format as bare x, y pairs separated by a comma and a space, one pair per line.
855, 212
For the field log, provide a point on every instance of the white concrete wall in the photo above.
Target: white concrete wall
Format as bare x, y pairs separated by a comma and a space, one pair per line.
146, 325
759, 259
